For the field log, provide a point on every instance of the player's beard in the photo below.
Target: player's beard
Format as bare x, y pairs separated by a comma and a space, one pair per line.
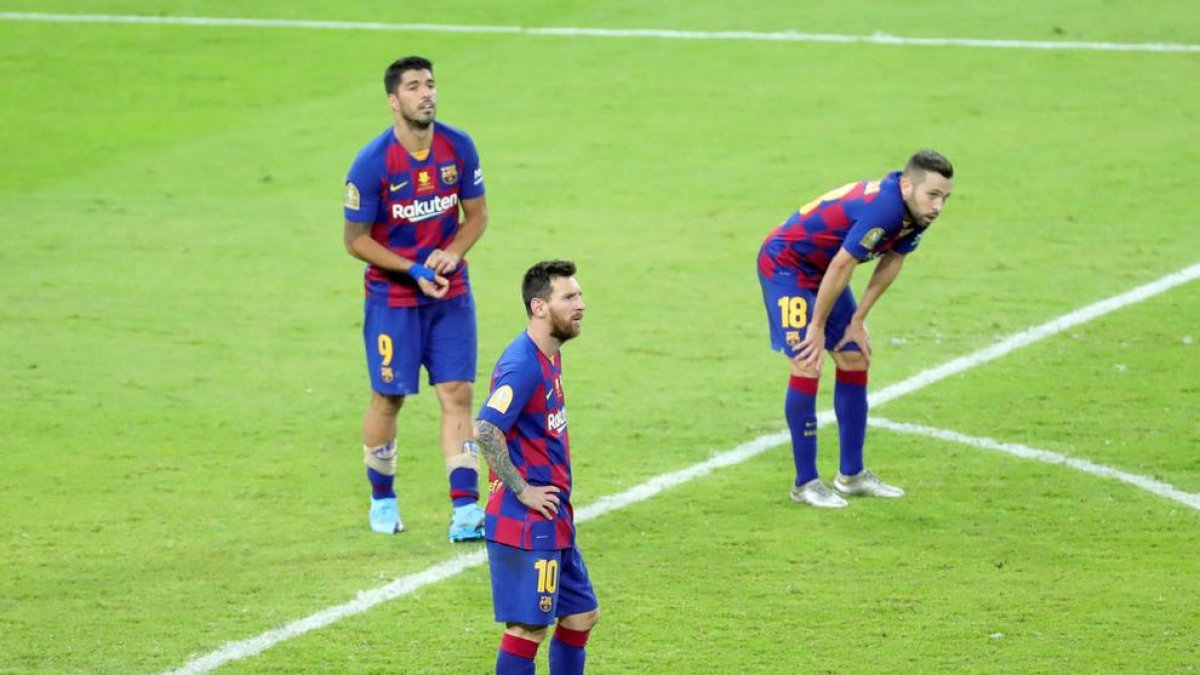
417, 124
563, 329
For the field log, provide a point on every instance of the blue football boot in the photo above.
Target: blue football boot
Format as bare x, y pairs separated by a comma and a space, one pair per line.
467, 523
385, 516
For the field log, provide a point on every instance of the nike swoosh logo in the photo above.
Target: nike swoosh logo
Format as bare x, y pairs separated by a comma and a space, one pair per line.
393, 188
549, 394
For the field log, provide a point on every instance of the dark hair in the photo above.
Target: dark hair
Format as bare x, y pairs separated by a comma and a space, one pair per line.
928, 160
537, 282
391, 77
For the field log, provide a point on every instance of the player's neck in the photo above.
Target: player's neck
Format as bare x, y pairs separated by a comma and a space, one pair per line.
413, 139
546, 343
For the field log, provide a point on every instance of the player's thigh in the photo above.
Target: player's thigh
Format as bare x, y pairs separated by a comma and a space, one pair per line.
575, 592
525, 584
839, 319
392, 338
450, 338
789, 311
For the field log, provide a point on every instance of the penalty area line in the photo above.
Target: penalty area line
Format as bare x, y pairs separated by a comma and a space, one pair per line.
1157, 487
365, 600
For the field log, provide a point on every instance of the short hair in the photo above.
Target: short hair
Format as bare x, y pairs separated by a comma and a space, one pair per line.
538, 282
391, 77
928, 160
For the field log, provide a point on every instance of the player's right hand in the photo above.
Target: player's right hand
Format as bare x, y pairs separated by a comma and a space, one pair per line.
811, 350
540, 498
437, 288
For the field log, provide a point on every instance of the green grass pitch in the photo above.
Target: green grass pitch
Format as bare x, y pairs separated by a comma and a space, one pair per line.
183, 378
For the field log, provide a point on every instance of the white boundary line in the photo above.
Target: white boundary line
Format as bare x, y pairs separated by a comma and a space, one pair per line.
234, 651
664, 34
1148, 484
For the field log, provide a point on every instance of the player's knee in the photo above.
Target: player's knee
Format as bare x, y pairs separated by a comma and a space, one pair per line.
454, 396
381, 458
386, 404
800, 369
525, 631
850, 360
581, 622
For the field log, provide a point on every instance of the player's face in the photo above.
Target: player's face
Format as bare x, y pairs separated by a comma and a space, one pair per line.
565, 308
926, 195
415, 98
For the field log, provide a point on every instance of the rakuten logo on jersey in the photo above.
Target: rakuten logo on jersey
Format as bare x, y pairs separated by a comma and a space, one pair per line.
424, 209
556, 421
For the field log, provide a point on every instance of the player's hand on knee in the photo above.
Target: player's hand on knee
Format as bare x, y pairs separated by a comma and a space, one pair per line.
811, 350
856, 333
540, 498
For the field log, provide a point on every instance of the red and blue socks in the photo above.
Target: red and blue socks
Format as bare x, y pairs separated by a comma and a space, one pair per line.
850, 404
568, 651
800, 408
515, 656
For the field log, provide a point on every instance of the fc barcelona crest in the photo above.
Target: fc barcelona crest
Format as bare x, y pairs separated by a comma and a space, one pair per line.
545, 603
449, 174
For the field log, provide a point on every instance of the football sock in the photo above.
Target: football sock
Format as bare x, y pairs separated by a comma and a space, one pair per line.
464, 486
381, 469
850, 404
515, 656
567, 651
800, 407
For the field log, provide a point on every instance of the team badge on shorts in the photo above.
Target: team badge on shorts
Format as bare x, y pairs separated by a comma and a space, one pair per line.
387, 375
545, 603
449, 174
793, 339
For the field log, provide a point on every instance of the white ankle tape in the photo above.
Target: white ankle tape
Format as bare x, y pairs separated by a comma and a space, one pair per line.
381, 458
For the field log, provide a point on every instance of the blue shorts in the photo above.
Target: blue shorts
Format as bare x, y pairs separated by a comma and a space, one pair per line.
399, 340
536, 587
790, 308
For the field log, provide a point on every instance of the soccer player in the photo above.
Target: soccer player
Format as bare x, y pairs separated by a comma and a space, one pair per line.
403, 196
804, 267
538, 574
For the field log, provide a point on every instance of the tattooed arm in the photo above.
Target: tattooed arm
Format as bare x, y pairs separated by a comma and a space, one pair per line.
491, 442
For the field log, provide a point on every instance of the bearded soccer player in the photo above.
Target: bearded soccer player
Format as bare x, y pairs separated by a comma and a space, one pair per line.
805, 266
538, 574
404, 194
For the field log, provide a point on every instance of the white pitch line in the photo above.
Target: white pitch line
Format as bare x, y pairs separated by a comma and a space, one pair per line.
877, 38
1148, 484
234, 651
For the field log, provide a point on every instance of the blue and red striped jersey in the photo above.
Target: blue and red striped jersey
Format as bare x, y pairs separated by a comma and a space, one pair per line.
412, 206
526, 403
867, 218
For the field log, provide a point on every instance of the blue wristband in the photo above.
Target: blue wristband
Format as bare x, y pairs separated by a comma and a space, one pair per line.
421, 272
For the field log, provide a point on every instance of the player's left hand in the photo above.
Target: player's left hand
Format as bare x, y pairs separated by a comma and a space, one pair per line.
442, 262
857, 333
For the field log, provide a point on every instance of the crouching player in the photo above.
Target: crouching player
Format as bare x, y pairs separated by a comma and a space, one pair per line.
538, 574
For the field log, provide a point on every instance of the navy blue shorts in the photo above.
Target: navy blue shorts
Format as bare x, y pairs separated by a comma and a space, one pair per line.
399, 340
537, 587
790, 309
